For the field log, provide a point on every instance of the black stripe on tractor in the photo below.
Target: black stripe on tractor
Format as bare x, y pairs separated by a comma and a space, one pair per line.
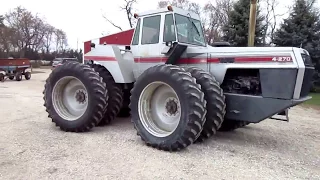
175, 52
226, 60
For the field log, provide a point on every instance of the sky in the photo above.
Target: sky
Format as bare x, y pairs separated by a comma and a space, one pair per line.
83, 21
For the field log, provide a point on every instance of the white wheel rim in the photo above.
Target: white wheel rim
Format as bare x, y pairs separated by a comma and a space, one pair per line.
159, 109
70, 98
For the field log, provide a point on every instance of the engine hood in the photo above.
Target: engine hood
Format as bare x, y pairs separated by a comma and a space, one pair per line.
241, 51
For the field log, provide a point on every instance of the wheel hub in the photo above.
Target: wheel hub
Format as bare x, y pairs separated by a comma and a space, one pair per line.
172, 106
80, 97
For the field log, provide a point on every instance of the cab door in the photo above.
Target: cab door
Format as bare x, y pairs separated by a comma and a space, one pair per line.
147, 42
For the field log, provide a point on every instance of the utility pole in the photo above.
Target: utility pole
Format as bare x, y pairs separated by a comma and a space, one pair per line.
252, 22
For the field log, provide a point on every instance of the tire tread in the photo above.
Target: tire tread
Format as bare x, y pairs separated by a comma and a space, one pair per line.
115, 94
215, 98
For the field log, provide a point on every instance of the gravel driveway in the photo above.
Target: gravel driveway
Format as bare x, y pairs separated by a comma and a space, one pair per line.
31, 147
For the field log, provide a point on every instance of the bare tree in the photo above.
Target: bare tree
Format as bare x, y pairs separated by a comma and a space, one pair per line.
6, 35
2, 21
27, 28
128, 8
112, 23
39, 32
25, 34
48, 37
183, 4
60, 39
216, 17
272, 17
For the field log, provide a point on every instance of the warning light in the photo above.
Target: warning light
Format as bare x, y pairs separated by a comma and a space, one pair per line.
170, 8
135, 15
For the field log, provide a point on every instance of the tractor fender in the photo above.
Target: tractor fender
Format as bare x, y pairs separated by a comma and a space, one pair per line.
118, 62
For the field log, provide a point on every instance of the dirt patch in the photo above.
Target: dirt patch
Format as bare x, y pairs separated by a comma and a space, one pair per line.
31, 146
315, 107
37, 71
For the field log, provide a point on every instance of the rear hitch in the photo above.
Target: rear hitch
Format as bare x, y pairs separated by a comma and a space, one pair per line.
281, 116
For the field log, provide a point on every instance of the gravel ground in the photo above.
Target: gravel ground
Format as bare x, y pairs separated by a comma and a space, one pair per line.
31, 147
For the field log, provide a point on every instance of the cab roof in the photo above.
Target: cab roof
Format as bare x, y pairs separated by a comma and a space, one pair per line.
169, 9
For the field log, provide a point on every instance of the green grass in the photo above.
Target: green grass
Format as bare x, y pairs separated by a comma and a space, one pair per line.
315, 99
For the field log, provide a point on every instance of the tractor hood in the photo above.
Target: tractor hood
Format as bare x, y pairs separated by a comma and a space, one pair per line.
210, 51
185, 54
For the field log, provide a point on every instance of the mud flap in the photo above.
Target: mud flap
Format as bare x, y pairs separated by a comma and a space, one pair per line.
282, 116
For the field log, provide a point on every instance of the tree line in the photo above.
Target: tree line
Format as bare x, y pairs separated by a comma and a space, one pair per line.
25, 34
228, 20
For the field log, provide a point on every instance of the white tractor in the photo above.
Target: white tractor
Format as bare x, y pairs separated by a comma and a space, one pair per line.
179, 90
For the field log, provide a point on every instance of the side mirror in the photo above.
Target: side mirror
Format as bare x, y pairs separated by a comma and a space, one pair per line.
169, 44
168, 47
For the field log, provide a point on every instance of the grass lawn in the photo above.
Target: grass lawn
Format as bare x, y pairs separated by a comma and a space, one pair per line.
315, 101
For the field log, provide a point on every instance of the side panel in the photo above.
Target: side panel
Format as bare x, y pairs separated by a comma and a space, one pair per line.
14, 64
278, 83
87, 47
121, 38
301, 66
119, 64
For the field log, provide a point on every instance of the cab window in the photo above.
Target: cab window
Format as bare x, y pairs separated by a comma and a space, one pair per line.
151, 30
135, 40
169, 33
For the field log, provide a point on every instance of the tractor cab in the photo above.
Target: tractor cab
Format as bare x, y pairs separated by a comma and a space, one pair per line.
160, 30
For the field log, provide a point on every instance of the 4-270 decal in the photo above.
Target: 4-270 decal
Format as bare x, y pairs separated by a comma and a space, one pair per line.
282, 59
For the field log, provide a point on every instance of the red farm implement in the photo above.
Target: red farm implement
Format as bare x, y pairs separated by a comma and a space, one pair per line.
15, 69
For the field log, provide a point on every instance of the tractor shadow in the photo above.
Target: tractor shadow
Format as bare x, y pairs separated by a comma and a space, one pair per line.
252, 136
119, 124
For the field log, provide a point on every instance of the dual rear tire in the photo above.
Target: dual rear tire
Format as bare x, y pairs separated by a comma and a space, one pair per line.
173, 107
79, 97
75, 97
114, 92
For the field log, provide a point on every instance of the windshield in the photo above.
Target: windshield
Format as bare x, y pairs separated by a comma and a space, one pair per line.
189, 30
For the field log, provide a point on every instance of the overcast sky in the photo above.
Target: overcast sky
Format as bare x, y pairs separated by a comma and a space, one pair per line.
84, 20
